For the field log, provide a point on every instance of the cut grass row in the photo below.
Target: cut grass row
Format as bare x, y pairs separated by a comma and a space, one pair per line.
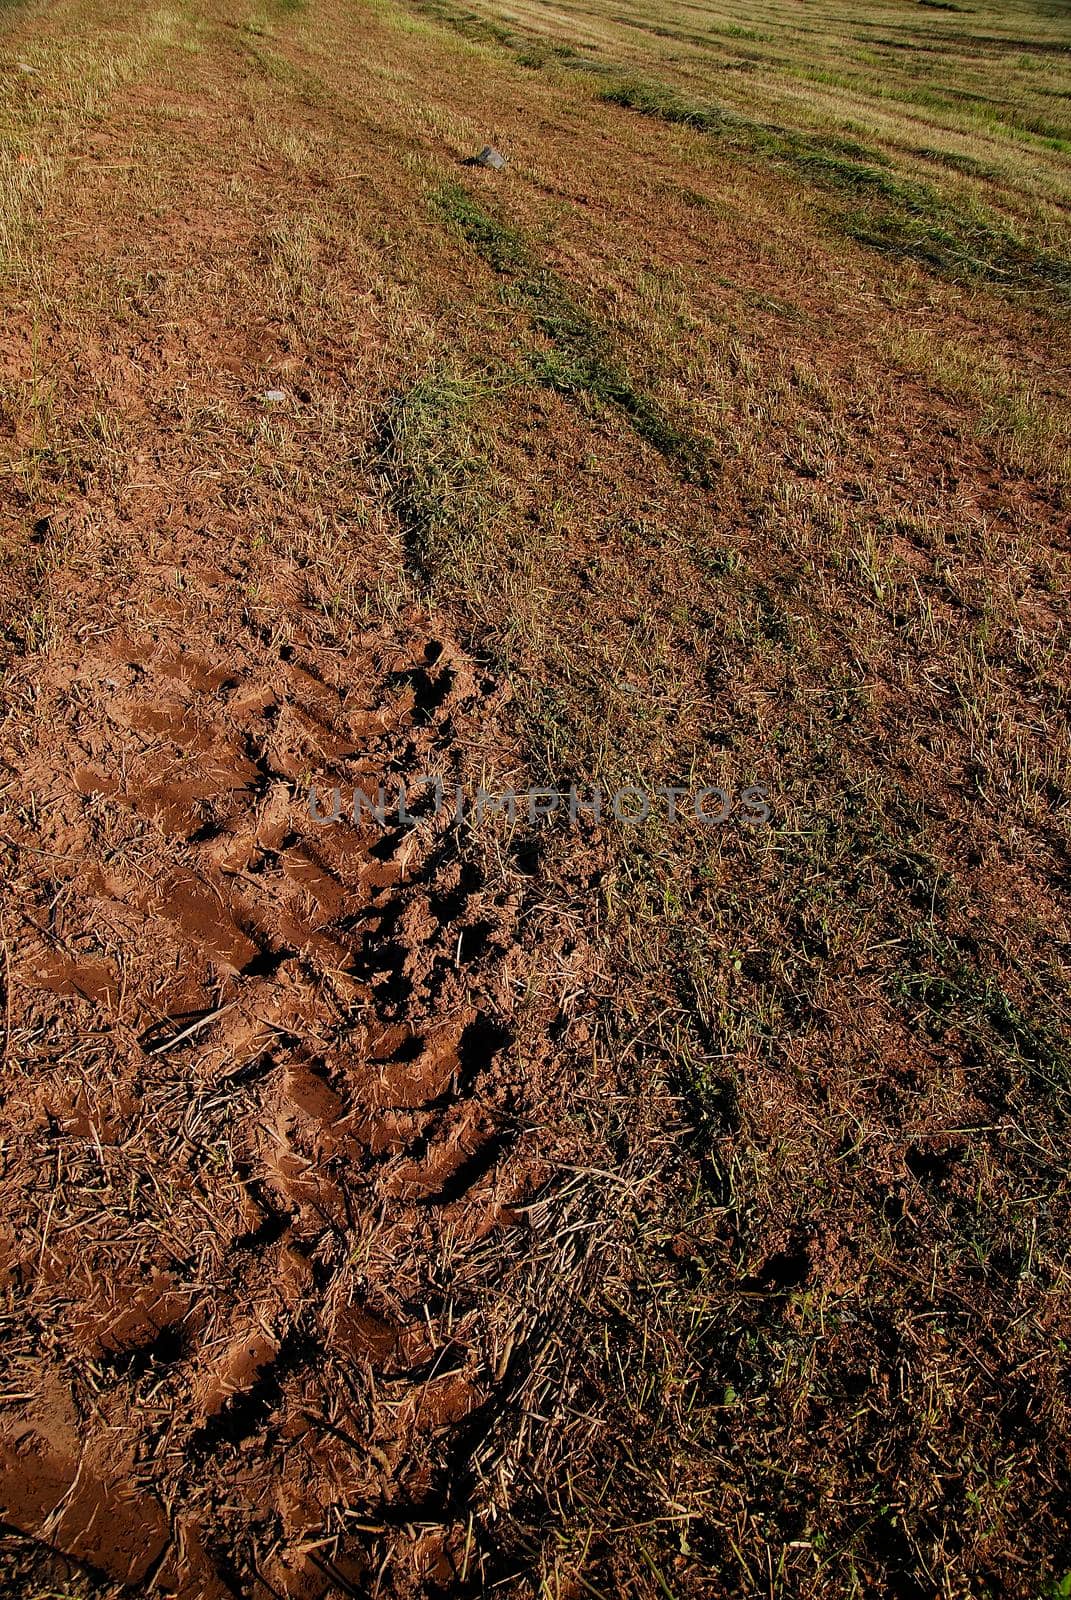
898, 216
901, 217
581, 360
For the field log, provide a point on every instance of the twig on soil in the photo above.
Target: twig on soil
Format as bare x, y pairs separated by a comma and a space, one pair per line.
194, 1027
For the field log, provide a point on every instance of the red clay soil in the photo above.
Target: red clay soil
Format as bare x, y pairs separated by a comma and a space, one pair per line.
269, 1179
264, 1109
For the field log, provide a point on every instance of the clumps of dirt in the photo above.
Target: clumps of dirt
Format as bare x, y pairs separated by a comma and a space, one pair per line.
269, 1169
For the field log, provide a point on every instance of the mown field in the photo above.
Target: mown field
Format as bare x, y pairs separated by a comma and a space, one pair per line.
658, 1210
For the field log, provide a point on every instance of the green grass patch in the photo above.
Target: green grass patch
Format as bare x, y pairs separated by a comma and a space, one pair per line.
426, 443
957, 243
582, 362
732, 30
954, 994
841, 163
968, 165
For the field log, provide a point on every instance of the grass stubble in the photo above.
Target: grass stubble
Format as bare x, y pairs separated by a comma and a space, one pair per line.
747, 463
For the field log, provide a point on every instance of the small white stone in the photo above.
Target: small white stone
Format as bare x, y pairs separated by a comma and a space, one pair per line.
24, 66
274, 396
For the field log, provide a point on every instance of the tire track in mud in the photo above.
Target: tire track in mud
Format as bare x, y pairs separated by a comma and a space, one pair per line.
266, 1128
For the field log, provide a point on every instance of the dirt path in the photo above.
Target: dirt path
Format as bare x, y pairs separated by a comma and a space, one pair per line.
264, 1095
